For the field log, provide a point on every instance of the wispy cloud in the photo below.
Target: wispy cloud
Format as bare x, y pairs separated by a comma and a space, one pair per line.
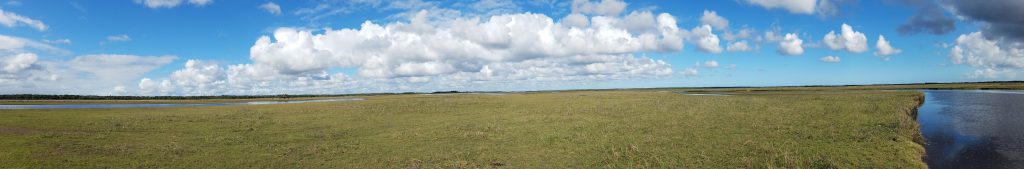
271, 8
11, 19
830, 59
117, 38
13, 44
171, 3
64, 41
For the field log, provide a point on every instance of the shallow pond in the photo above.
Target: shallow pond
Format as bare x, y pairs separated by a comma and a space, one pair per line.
973, 129
141, 105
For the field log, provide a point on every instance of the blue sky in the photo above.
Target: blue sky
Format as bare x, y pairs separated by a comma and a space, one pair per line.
213, 47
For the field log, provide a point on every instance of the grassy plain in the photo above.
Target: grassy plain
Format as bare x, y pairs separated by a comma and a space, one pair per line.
584, 129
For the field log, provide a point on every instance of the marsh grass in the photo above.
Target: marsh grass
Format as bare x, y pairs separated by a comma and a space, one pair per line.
587, 129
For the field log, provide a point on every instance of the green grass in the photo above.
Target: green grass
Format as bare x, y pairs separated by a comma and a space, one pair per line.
587, 129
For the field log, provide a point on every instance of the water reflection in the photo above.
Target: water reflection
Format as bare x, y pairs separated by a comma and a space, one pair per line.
973, 129
86, 106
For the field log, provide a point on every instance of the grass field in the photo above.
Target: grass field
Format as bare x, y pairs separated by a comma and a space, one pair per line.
587, 129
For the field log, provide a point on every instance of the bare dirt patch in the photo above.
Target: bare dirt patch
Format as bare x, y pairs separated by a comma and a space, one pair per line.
16, 130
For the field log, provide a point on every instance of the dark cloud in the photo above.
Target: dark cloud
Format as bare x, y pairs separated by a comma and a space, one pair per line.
1000, 19
930, 18
1004, 19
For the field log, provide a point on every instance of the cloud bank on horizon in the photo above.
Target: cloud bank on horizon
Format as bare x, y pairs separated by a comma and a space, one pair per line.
414, 45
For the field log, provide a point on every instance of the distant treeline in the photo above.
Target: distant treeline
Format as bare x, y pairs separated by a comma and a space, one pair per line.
284, 96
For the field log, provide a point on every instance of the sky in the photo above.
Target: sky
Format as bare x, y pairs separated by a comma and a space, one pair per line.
222, 47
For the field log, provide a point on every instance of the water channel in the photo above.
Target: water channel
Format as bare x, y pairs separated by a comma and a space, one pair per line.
973, 129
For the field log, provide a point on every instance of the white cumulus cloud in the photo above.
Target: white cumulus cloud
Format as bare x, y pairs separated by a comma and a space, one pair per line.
18, 62
705, 39
18, 68
739, 46
427, 52
791, 45
150, 86
821, 7
712, 18
199, 76
884, 48
847, 39
991, 58
794, 6
467, 44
